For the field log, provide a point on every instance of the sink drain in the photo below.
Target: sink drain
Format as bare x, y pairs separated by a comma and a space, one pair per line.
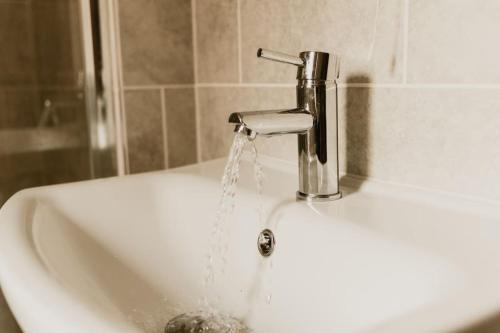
205, 323
266, 242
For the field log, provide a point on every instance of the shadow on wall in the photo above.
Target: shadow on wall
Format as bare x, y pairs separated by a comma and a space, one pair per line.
357, 128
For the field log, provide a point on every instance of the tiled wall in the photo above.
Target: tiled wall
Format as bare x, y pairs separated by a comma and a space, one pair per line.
158, 83
419, 97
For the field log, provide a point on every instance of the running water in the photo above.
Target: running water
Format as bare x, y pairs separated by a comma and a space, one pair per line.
259, 180
207, 319
218, 246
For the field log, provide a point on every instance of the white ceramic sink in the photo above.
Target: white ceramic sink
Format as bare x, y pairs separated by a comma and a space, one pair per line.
127, 254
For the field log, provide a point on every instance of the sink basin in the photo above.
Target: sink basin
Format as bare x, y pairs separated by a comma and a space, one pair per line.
128, 254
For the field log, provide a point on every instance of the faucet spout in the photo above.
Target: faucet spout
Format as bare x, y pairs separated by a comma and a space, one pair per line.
314, 121
272, 122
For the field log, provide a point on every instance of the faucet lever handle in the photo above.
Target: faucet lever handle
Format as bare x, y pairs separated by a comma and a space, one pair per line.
280, 57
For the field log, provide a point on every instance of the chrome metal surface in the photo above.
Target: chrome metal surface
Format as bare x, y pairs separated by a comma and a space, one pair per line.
204, 323
240, 128
274, 122
318, 197
100, 118
314, 120
280, 57
266, 242
315, 66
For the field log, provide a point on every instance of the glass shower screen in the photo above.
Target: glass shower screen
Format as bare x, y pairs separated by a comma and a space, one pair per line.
56, 117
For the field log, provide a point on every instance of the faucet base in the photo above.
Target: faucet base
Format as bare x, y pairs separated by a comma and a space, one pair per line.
318, 197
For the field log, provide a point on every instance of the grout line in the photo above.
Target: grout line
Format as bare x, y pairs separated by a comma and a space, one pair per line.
370, 85
374, 29
405, 40
197, 118
430, 190
194, 37
246, 85
292, 85
240, 54
159, 86
195, 78
419, 86
119, 59
164, 128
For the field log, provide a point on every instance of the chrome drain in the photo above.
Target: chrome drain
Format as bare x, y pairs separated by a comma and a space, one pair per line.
266, 242
205, 323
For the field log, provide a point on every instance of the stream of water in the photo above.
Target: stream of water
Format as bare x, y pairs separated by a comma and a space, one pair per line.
207, 319
218, 246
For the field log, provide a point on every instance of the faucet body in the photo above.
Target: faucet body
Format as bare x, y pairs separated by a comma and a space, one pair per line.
314, 121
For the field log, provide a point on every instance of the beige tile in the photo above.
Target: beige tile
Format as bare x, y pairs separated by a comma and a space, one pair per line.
217, 40
181, 126
156, 40
144, 130
423, 137
7, 322
17, 61
369, 43
215, 105
454, 41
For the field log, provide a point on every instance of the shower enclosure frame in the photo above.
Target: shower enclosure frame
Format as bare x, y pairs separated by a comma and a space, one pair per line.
103, 85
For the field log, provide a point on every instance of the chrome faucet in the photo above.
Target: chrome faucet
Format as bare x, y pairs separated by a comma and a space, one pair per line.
314, 120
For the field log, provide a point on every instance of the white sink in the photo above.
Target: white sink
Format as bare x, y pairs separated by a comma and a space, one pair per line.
128, 254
